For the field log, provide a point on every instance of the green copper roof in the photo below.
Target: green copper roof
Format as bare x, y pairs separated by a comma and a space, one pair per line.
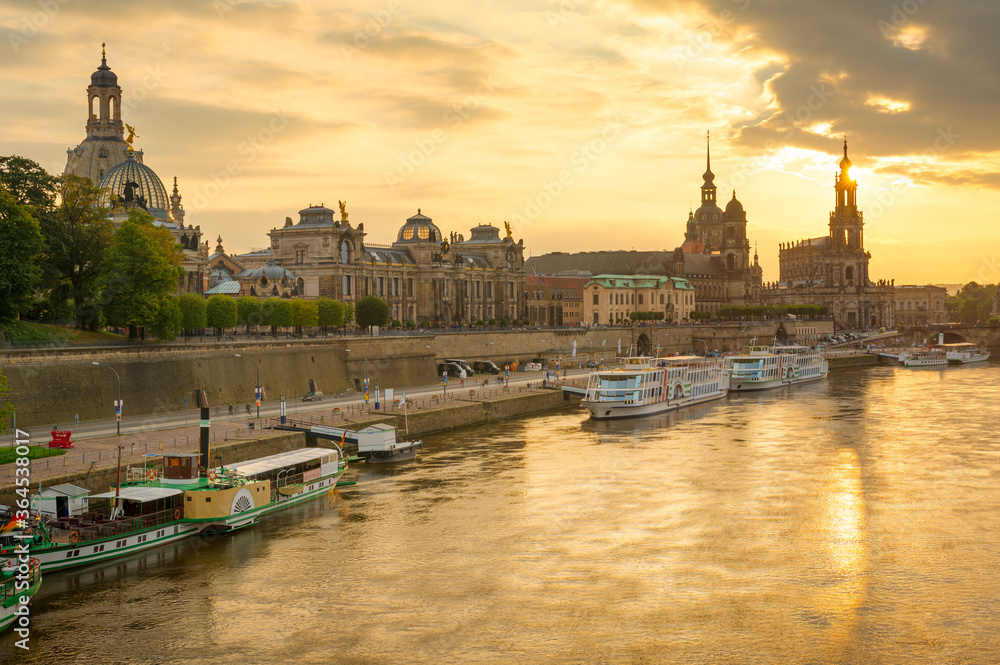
637, 281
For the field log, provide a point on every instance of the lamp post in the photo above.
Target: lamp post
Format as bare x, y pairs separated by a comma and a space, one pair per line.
118, 402
366, 365
256, 390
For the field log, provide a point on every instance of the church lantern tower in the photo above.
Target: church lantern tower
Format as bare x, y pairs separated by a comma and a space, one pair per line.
104, 146
846, 221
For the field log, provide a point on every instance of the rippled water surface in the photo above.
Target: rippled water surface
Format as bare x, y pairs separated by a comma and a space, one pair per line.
850, 521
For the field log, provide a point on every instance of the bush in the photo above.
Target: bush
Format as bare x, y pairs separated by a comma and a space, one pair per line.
425, 323
371, 311
491, 322
994, 322
396, 324
504, 321
410, 323
480, 322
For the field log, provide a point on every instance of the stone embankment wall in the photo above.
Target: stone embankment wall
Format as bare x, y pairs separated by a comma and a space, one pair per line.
48, 387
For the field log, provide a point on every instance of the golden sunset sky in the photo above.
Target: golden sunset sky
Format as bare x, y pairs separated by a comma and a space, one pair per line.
581, 122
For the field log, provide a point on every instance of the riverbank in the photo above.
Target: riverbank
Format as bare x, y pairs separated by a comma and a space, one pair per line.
92, 463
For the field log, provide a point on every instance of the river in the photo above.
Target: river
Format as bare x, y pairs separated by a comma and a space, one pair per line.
855, 520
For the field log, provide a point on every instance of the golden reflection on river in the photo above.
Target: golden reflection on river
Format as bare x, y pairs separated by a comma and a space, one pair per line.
847, 521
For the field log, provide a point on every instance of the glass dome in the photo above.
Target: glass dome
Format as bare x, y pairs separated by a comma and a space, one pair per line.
132, 183
419, 228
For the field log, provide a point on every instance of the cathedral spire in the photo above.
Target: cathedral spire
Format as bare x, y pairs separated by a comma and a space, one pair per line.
708, 187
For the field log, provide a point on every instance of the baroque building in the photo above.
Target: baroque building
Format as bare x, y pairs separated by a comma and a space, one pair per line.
107, 157
832, 270
714, 258
423, 275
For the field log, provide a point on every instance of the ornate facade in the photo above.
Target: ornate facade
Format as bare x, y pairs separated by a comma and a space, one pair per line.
833, 270
610, 299
423, 276
921, 305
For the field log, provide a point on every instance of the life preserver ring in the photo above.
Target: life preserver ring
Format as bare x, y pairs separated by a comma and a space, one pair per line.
212, 475
74, 536
150, 474
177, 513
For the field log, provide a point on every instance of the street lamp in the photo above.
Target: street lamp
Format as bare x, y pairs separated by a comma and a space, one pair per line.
118, 402
256, 390
366, 364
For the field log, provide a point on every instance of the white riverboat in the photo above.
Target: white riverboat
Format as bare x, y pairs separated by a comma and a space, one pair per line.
763, 367
923, 358
644, 386
964, 352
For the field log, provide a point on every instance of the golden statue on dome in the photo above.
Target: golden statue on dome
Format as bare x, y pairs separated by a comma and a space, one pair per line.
509, 233
343, 210
131, 135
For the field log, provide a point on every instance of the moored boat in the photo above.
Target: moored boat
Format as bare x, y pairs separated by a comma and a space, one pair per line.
964, 352
764, 367
927, 358
644, 386
376, 443
20, 579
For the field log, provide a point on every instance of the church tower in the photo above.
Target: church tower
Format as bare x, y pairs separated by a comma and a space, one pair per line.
104, 145
846, 221
708, 216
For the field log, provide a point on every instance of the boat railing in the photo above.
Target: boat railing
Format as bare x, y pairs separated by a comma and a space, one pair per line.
9, 588
96, 526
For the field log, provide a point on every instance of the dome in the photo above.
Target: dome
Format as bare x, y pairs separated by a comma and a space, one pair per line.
104, 77
132, 183
734, 207
419, 228
272, 272
845, 163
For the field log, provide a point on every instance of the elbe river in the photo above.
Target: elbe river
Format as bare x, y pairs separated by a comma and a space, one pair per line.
855, 520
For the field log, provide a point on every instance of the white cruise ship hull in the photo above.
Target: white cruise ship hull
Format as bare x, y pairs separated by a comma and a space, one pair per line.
609, 410
746, 385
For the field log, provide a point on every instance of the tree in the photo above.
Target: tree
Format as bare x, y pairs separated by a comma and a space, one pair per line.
276, 313
348, 313
193, 315
329, 313
21, 244
77, 234
220, 313
371, 311
167, 322
29, 184
248, 312
305, 314
143, 266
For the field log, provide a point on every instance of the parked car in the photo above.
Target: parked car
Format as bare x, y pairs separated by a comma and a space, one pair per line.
461, 363
591, 364
313, 396
485, 367
451, 368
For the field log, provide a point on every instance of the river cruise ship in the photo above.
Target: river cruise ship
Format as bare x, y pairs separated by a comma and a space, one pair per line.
923, 358
763, 367
964, 353
151, 509
644, 386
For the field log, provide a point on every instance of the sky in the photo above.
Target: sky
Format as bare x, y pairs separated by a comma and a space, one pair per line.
581, 122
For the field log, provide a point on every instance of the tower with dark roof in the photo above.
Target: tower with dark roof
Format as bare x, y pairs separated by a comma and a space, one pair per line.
104, 146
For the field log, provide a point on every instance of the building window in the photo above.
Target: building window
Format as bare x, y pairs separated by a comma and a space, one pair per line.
380, 286
409, 286
300, 256
597, 300
395, 286
640, 298
347, 285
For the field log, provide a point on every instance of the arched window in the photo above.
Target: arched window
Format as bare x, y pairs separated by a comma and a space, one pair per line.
730, 263
95, 107
849, 273
345, 252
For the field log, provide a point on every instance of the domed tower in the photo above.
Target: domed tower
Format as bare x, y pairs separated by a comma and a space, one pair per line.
132, 184
420, 236
104, 146
735, 245
846, 221
708, 216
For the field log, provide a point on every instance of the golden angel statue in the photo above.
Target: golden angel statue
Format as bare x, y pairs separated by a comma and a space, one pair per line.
509, 233
343, 210
131, 134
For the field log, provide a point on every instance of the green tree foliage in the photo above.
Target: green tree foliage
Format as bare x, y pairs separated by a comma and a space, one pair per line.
330, 313
143, 266
220, 313
21, 246
348, 313
167, 323
193, 312
77, 233
371, 311
972, 304
646, 316
29, 184
248, 312
305, 314
276, 313
6, 409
